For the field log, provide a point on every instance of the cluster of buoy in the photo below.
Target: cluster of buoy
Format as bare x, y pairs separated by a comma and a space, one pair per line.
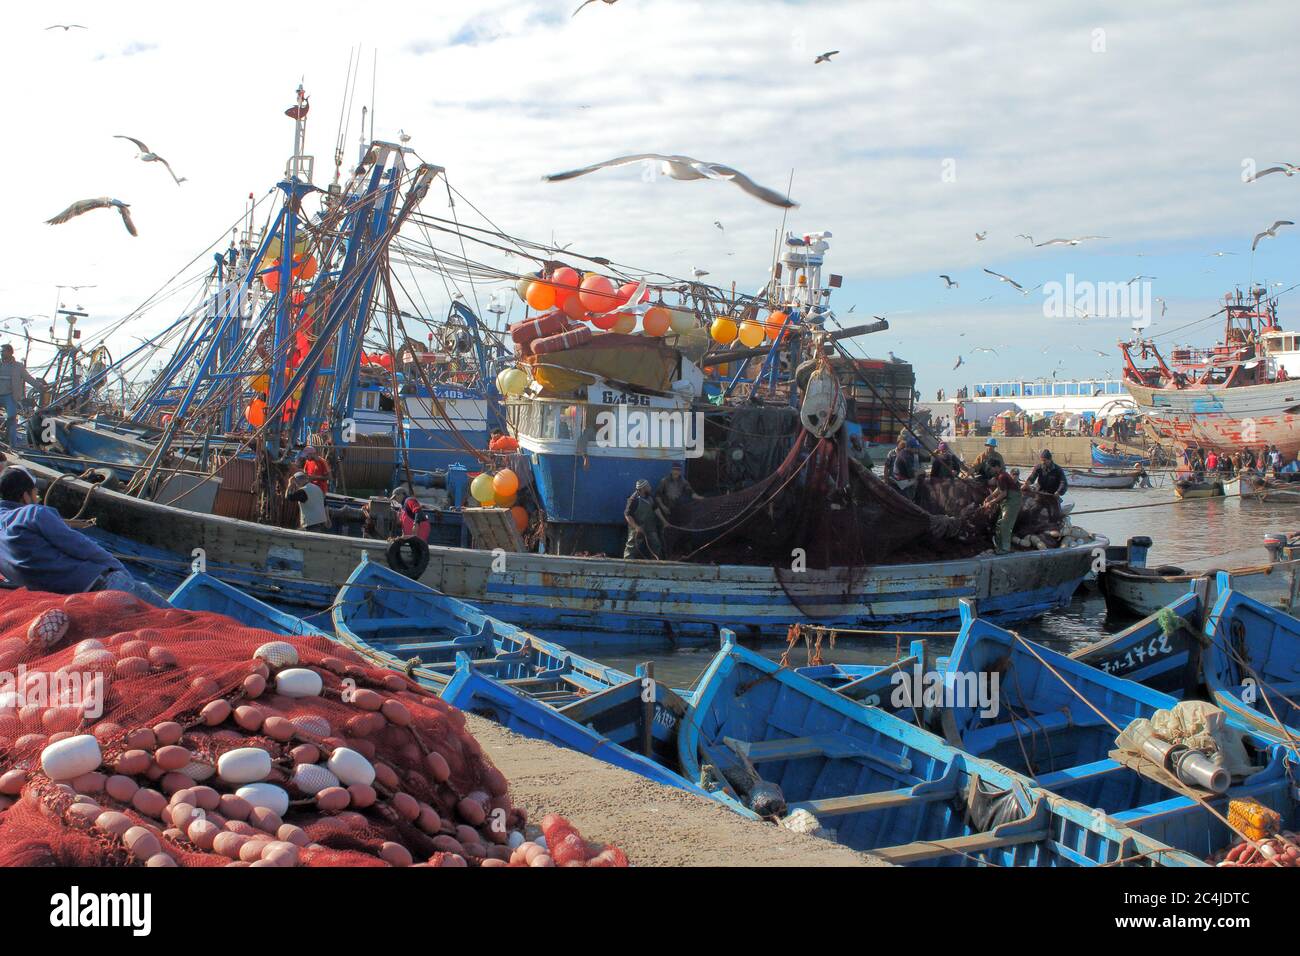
596, 299
500, 490
751, 333
291, 756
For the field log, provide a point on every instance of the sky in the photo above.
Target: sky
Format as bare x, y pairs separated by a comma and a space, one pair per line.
933, 123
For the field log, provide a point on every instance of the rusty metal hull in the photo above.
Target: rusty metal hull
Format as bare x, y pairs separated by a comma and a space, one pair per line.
1224, 419
598, 600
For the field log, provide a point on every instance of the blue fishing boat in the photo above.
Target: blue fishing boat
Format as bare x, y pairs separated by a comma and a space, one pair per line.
1057, 720
1154, 651
872, 684
884, 785
1101, 458
1251, 662
203, 592
473, 691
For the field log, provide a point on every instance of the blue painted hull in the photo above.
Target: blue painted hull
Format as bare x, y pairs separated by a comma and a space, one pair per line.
1104, 459
885, 786
1056, 720
202, 592
591, 490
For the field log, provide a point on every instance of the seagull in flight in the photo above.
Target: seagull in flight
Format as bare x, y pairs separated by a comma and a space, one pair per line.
103, 202
1271, 232
825, 57
1067, 242
1135, 279
65, 27
979, 236
986, 298
684, 168
149, 156
948, 279
1286, 169
984, 348
960, 362
1001, 278
718, 224
585, 3
1219, 255
698, 273
1164, 307
1023, 235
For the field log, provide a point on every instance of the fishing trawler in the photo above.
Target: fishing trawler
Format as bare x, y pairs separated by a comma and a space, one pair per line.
1243, 392
789, 525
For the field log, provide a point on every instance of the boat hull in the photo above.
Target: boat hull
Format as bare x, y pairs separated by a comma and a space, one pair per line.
1224, 419
601, 600
1085, 479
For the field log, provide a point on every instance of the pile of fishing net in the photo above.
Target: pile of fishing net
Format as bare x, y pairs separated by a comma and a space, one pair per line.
130, 734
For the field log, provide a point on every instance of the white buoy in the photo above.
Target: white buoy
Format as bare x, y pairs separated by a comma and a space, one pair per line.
298, 682
71, 757
244, 765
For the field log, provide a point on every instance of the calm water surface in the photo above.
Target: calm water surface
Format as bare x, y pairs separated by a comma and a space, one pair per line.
1195, 534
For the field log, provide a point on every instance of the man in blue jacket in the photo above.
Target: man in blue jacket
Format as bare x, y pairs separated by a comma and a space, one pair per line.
39, 551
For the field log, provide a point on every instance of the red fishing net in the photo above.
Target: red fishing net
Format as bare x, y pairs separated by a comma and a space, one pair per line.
132, 735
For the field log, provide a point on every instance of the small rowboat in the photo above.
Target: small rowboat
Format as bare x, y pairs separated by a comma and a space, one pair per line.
409, 627
1252, 662
1057, 720
883, 785
1150, 652
1100, 479
1188, 488
1106, 459
202, 592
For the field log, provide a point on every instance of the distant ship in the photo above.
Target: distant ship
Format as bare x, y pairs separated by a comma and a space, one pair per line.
1243, 392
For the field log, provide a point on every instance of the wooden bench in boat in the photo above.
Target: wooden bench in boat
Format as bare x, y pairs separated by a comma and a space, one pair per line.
927, 791
834, 746
1032, 829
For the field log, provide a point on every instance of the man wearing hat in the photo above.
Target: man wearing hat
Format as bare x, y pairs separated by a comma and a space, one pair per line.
312, 515
642, 524
983, 467
39, 551
673, 487
1048, 477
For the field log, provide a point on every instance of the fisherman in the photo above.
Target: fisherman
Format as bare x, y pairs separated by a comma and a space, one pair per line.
983, 467
313, 463
642, 523
501, 442
38, 549
1212, 461
943, 463
312, 515
1048, 477
901, 467
1144, 479
673, 487
1005, 495
14, 379
414, 522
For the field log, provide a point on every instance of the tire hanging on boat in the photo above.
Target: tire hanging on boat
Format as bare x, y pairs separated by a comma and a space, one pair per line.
419, 560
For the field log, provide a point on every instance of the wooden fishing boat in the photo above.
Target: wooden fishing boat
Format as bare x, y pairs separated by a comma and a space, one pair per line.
1057, 720
1102, 479
202, 592
472, 690
1150, 651
1188, 488
1251, 662
1107, 459
1142, 591
596, 600
407, 626
884, 785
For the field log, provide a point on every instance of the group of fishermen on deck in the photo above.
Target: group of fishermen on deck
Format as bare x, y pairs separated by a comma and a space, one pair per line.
646, 514
1005, 494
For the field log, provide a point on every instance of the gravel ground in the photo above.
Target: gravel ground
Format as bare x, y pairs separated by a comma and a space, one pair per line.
653, 824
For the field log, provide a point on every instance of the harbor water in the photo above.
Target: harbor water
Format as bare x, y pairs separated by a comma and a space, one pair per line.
1194, 534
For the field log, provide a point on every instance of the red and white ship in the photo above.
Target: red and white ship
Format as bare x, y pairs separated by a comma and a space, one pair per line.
1244, 392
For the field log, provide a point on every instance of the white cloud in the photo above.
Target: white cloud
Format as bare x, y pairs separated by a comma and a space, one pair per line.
1142, 143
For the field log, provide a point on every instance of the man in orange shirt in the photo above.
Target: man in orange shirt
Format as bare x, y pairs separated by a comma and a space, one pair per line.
501, 442
316, 467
